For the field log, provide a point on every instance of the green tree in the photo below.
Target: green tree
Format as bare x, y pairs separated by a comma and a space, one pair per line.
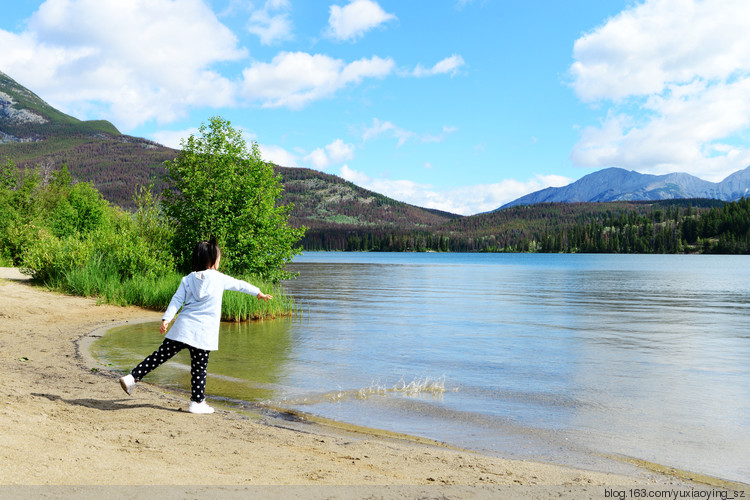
150, 222
217, 188
690, 230
8, 175
8, 179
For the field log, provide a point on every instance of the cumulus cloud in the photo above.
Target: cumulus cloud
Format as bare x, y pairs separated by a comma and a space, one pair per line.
339, 151
352, 21
659, 42
271, 23
449, 65
278, 155
294, 79
464, 200
153, 60
173, 138
130, 61
674, 76
336, 152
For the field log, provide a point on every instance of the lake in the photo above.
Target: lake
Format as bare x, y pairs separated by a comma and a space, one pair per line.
553, 357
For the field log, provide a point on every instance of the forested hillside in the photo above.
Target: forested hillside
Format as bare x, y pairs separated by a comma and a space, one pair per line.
673, 226
115, 166
335, 210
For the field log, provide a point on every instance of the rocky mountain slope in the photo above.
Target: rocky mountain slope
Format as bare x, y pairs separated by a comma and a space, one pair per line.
617, 184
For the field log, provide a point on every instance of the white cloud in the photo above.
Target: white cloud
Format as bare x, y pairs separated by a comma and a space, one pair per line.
448, 65
339, 151
272, 23
660, 42
380, 128
336, 152
388, 129
172, 138
682, 133
464, 200
294, 79
352, 21
486, 197
145, 61
674, 75
278, 155
130, 61
318, 158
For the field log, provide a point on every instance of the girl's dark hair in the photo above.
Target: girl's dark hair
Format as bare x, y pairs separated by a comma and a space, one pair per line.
205, 254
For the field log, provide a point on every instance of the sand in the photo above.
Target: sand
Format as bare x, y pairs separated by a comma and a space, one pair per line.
66, 422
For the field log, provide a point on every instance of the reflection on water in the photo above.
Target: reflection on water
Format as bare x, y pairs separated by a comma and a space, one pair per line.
551, 357
249, 364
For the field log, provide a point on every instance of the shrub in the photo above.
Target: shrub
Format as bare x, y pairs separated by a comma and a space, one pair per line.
47, 256
220, 189
68, 237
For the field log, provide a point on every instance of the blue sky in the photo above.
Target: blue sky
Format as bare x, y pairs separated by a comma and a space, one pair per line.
461, 105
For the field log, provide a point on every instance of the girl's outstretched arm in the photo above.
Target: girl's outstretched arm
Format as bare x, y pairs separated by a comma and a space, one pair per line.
244, 287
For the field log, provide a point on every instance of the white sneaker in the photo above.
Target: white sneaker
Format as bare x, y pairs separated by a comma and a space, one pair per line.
127, 383
201, 407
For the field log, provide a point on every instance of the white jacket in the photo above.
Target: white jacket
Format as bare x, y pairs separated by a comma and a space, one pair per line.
200, 295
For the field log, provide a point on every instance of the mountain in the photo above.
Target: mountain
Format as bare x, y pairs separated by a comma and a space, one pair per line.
34, 133
322, 201
617, 184
25, 118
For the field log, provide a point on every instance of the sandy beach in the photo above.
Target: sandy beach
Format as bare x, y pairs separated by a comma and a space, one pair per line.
66, 422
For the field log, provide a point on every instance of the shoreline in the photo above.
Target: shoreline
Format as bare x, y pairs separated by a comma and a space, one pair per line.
66, 422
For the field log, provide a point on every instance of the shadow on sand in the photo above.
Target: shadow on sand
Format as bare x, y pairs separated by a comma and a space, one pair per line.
104, 404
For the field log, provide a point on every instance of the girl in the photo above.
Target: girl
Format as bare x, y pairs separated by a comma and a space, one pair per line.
197, 326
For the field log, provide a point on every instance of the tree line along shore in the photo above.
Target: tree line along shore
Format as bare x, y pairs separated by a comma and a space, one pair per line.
669, 226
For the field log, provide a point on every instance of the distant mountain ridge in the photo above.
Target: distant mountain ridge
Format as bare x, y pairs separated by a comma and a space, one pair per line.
618, 184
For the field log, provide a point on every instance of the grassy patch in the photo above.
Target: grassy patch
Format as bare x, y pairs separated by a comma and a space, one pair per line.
97, 279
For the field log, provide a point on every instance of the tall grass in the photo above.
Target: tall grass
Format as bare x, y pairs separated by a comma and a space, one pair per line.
242, 307
101, 279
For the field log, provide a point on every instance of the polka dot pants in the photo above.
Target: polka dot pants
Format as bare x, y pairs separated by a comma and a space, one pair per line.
198, 365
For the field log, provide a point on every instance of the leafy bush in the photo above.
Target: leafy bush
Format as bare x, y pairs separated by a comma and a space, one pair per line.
220, 189
79, 210
47, 256
68, 237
